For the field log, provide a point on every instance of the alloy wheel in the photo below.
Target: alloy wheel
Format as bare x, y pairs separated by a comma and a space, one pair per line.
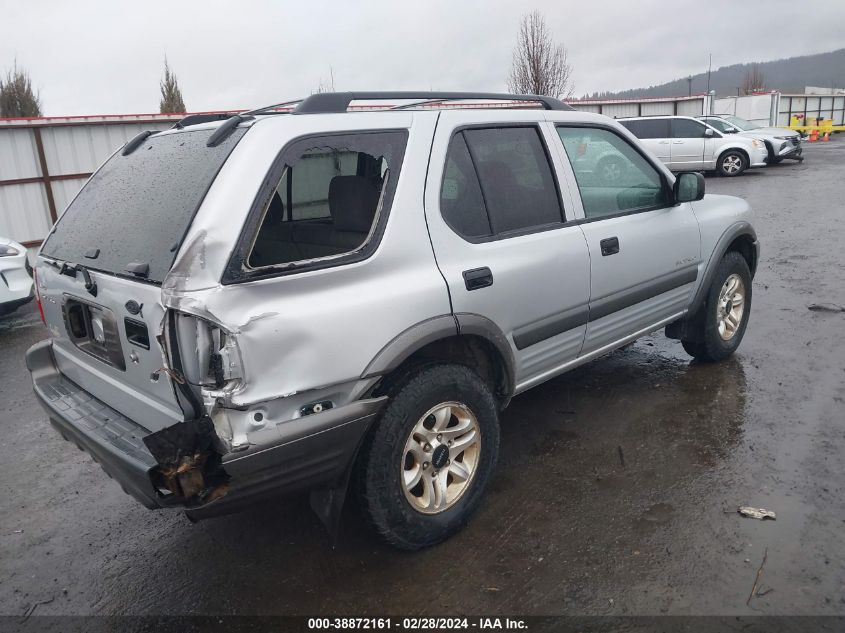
730, 307
441, 457
732, 164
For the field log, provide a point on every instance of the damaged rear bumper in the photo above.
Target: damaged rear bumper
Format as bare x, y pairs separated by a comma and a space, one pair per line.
309, 453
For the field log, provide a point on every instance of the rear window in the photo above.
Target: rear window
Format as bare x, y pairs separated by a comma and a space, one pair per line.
137, 208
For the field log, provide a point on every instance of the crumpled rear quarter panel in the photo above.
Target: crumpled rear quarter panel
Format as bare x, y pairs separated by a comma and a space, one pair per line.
297, 332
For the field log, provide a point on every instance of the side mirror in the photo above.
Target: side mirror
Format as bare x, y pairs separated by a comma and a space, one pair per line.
709, 133
689, 187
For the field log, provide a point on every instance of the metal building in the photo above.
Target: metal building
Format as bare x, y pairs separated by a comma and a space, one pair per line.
45, 161
694, 105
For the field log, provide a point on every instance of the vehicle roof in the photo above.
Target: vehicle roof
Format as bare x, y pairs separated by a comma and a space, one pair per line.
487, 111
657, 116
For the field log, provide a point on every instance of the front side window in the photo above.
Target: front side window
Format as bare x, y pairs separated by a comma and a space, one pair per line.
687, 128
498, 181
612, 176
328, 198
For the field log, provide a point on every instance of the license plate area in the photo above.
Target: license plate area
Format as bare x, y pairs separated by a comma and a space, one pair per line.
93, 330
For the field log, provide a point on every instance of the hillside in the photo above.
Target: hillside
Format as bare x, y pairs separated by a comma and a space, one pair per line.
787, 75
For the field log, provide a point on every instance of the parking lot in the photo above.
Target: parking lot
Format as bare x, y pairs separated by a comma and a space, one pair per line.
616, 490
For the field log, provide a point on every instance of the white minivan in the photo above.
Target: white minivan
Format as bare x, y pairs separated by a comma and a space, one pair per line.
686, 144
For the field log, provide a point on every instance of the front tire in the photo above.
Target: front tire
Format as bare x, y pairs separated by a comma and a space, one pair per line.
718, 329
732, 163
430, 456
611, 169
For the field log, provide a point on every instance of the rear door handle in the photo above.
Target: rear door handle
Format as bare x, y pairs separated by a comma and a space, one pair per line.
478, 278
609, 246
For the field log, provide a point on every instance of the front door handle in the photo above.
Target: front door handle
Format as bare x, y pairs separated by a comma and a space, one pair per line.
609, 246
478, 278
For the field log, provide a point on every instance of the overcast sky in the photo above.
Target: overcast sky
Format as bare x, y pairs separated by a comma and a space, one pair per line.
106, 57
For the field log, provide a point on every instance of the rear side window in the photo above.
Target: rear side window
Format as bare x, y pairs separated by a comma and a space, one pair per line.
461, 201
137, 208
648, 128
329, 198
686, 128
498, 181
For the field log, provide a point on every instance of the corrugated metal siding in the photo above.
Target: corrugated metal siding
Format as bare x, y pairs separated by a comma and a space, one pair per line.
691, 108
618, 110
18, 156
64, 191
586, 107
23, 212
81, 149
71, 146
654, 108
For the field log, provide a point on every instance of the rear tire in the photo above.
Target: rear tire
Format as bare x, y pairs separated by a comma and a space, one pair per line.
732, 163
718, 330
430, 456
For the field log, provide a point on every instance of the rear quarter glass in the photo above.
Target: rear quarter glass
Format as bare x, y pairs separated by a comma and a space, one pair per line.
137, 208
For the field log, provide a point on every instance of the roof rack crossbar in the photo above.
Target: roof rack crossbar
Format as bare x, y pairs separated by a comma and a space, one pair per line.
136, 141
226, 128
195, 119
327, 102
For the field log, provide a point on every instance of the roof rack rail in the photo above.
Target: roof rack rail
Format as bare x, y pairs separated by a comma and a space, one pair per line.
265, 109
136, 141
194, 119
327, 102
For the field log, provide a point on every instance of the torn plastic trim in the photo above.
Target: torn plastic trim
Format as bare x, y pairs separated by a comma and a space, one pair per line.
189, 457
188, 454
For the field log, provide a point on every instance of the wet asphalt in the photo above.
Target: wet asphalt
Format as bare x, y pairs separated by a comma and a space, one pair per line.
616, 491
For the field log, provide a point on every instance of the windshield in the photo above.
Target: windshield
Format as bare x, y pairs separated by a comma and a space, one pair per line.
722, 126
137, 208
742, 124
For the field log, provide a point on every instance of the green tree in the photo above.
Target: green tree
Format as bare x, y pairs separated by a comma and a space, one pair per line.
171, 94
17, 98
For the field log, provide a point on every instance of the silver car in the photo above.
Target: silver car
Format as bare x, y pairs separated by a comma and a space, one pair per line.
686, 144
295, 295
780, 143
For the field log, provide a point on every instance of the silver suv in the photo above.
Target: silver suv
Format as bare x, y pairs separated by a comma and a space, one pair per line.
780, 142
343, 289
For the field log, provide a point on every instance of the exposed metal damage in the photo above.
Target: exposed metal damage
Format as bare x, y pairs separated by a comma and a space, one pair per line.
189, 458
198, 357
